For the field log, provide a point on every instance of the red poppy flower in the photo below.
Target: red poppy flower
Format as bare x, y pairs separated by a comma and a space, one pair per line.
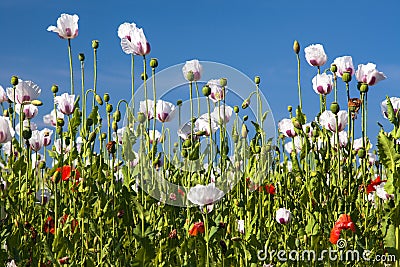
66, 172
371, 187
270, 188
48, 226
343, 223
197, 228
181, 192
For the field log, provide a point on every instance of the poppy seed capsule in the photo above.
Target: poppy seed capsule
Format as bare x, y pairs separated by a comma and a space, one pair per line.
144, 76
103, 136
334, 68
14, 80
364, 88
190, 76
361, 153
206, 90
141, 117
346, 77
106, 97
109, 108
289, 108
236, 109
296, 47
81, 57
95, 44
179, 102
246, 103
154, 63
54, 89
223, 82
335, 108
99, 100
257, 80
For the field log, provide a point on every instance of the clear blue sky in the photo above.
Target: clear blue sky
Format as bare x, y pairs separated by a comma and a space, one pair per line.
254, 37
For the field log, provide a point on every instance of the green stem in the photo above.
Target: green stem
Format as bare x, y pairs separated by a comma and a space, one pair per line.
298, 80
70, 66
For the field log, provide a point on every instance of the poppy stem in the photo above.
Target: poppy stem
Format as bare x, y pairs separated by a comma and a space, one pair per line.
70, 66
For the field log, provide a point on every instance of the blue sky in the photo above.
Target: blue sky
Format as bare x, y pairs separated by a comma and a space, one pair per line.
255, 37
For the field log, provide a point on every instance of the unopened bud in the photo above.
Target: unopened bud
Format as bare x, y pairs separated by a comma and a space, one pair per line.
296, 47
246, 103
103, 136
106, 97
236, 109
42, 165
114, 126
117, 115
81, 57
99, 100
141, 117
257, 80
89, 122
92, 137
223, 82
245, 118
289, 108
179, 102
154, 63
296, 123
244, 131
144, 76
54, 89
14, 80
109, 108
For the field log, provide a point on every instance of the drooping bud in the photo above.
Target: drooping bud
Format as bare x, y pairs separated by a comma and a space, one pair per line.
335, 108
14, 80
296, 47
346, 77
81, 57
223, 82
246, 103
54, 89
95, 44
106, 97
117, 115
206, 90
99, 100
257, 80
153, 63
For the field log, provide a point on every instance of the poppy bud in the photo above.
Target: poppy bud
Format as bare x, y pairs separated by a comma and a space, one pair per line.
92, 136
296, 123
54, 89
346, 77
187, 143
179, 102
103, 136
109, 108
141, 117
27, 133
14, 80
37, 103
246, 103
236, 109
111, 147
296, 47
114, 126
81, 57
245, 118
257, 80
42, 165
235, 138
361, 153
60, 122
206, 90
333, 68
289, 108
244, 131
144, 76
89, 122
95, 44
223, 82
184, 153
106, 97
117, 115
154, 63
99, 100
190, 76
5, 113
335, 108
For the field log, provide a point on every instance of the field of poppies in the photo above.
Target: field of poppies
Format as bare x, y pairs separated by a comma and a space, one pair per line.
104, 185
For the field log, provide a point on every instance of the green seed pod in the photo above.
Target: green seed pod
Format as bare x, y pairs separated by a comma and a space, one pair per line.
190, 76
144, 76
245, 118
95, 44
54, 89
346, 77
223, 82
290, 108
14, 80
179, 102
246, 103
109, 108
106, 97
296, 47
81, 57
333, 68
361, 153
364, 88
257, 80
117, 115
335, 108
206, 90
60, 122
236, 109
114, 126
99, 100
153, 63
103, 136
